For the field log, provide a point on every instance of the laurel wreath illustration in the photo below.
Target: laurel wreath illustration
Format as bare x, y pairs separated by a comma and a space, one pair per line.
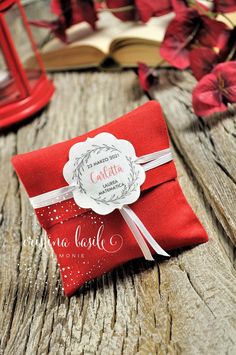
127, 189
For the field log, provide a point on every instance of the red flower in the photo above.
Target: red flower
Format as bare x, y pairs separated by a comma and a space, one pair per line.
57, 27
86, 12
202, 61
129, 9
224, 6
75, 11
215, 90
187, 28
227, 44
147, 76
70, 12
150, 8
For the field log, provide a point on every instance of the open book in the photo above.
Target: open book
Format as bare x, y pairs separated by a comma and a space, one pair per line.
114, 42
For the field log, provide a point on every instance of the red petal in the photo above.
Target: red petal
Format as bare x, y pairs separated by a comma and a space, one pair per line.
75, 11
226, 73
179, 5
175, 52
224, 39
202, 61
211, 30
206, 97
147, 76
56, 6
142, 75
150, 8
224, 6
126, 15
227, 44
84, 10
175, 47
184, 23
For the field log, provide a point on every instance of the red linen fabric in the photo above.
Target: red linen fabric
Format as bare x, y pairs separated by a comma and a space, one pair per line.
87, 244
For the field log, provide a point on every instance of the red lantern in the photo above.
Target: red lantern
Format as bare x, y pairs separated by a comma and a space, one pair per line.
23, 91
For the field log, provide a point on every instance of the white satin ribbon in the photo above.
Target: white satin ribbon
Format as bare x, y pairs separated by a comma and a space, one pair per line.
149, 161
156, 159
140, 232
51, 197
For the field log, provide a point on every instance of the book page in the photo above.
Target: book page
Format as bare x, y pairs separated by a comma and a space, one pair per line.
108, 27
153, 30
229, 19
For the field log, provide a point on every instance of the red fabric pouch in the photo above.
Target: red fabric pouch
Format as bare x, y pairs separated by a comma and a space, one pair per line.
87, 244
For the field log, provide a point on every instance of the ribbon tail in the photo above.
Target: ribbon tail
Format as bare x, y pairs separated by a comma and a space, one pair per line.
138, 236
139, 224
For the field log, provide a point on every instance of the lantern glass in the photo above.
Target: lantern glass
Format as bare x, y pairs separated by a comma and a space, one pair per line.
24, 88
8, 90
22, 44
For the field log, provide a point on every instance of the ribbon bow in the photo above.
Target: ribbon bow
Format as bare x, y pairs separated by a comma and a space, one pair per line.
138, 229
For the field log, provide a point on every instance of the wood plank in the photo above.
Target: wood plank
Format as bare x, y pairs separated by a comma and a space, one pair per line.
183, 305
207, 145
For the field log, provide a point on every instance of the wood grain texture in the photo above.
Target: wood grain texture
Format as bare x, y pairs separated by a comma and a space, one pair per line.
185, 305
207, 145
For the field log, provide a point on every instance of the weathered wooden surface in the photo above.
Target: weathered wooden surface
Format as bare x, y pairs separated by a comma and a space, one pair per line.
185, 305
207, 145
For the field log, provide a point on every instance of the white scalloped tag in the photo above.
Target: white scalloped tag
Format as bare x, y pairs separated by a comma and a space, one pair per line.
105, 173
